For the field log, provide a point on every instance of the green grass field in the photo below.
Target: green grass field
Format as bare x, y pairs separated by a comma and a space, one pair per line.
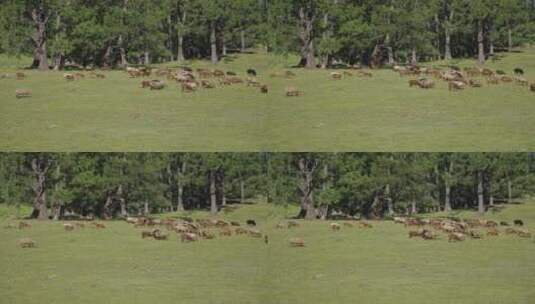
355, 114
379, 265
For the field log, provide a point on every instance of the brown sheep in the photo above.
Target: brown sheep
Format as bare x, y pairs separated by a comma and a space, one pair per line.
493, 232
207, 235
475, 83
521, 81
22, 93
506, 79
429, 235
365, 225
292, 92
426, 83
157, 85
253, 82
68, 227
336, 76
456, 86
235, 224
255, 233
240, 231
487, 72
511, 231
418, 233
335, 226
524, 233
365, 74
414, 83
189, 86
20, 76
225, 232
159, 236
99, 225
475, 235
456, 237
532, 87
347, 73
145, 84
204, 73
189, 237
491, 224
69, 77
26, 243
207, 84
493, 80
297, 242
235, 80
101, 76
147, 234
264, 89
219, 73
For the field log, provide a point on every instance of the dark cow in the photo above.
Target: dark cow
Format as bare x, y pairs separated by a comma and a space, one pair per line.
251, 72
519, 71
519, 223
251, 223
264, 89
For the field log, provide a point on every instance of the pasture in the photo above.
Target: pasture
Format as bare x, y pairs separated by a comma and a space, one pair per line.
381, 113
377, 265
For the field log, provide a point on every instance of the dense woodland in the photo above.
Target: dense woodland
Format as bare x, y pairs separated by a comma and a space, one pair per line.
115, 33
372, 185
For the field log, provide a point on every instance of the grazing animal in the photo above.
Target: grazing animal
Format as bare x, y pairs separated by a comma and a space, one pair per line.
99, 225
511, 231
189, 86
475, 83
207, 84
428, 235
23, 225
225, 232
157, 85
145, 84
414, 83
335, 226
456, 86
503, 223
365, 225
219, 73
349, 225
207, 235
519, 71
234, 223
280, 226
524, 233
417, 233
347, 73
252, 82
491, 224
518, 223
251, 72
251, 223
506, 79
264, 89
365, 74
230, 73
189, 237
204, 73
493, 80
292, 92
521, 81
500, 72
532, 87
68, 227
240, 231
425, 83
20, 75
147, 234
22, 93
297, 242
493, 232
487, 72
10, 226
456, 237
475, 235
159, 236
69, 77
336, 76
255, 233
26, 243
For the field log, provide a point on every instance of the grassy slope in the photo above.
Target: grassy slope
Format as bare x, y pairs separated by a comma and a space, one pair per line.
380, 265
381, 114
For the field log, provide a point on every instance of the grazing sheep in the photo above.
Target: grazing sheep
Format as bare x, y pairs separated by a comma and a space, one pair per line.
493, 232
207, 235
207, 84
23, 225
475, 235
230, 73
491, 224
519, 71
68, 227
493, 80
399, 220
69, 77
511, 231
297, 242
335, 226
131, 220
417, 233
475, 83
79, 75
251, 223
145, 84
456, 237
23, 93
255, 233
365, 74
349, 225
521, 81
147, 234
503, 223
251, 72
235, 80
429, 235
205, 73
225, 232
487, 72
292, 92
20, 75
532, 87
347, 73
506, 79
264, 89
240, 231
157, 85
365, 225
518, 223
252, 82
189, 237
159, 236
189, 86
524, 233
456, 86
414, 83
234, 223
219, 73
500, 72
336, 76
99, 225
26, 243
425, 83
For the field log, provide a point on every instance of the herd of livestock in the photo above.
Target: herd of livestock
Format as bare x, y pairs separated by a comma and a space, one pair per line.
189, 230
202, 78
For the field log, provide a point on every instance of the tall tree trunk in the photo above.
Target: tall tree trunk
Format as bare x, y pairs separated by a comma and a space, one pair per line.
509, 190
510, 39
146, 59
223, 193
389, 50
40, 168
107, 60
307, 20
306, 169
389, 203
480, 43
480, 201
146, 210
40, 20
242, 40
447, 40
180, 33
413, 207
213, 197
447, 185
106, 210
223, 45
213, 43
414, 58
122, 201
242, 191
122, 52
